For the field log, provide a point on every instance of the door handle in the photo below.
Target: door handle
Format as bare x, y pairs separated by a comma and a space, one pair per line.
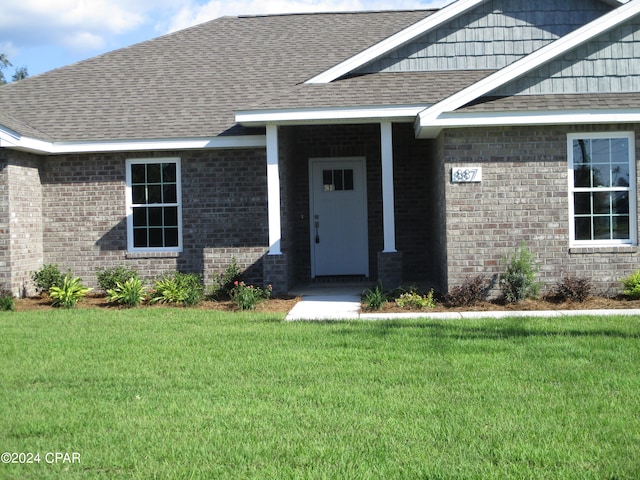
317, 224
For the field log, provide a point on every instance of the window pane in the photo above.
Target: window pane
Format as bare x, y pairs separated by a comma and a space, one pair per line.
620, 203
153, 173
327, 180
155, 194
620, 175
582, 204
138, 173
348, 179
601, 203
140, 217
140, 237
583, 228
138, 194
170, 194
582, 176
337, 179
580, 155
601, 175
156, 237
155, 217
620, 150
171, 237
600, 152
169, 172
621, 227
601, 228
171, 216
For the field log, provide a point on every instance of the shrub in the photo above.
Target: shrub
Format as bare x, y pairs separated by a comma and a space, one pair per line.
178, 288
7, 302
68, 293
131, 293
631, 285
375, 298
472, 291
572, 288
248, 296
109, 278
413, 299
48, 276
518, 281
223, 283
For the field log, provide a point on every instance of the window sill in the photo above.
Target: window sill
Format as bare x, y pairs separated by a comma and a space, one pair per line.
603, 249
136, 255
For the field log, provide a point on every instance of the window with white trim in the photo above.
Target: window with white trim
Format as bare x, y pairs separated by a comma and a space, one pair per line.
154, 219
602, 186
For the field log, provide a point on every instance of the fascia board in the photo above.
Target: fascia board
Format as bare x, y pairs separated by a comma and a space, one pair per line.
251, 118
404, 36
524, 118
56, 148
528, 63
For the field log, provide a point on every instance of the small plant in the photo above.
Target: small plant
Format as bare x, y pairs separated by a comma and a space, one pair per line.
413, 299
223, 283
178, 288
108, 278
375, 298
631, 285
68, 293
7, 302
518, 281
248, 296
48, 276
472, 291
573, 289
131, 293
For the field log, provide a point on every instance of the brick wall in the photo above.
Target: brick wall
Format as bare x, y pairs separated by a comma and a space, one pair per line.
523, 196
224, 210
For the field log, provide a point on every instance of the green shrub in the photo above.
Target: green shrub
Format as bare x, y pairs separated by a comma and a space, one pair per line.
223, 283
518, 281
248, 296
108, 278
69, 292
572, 288
631, 285
7, 302
472, 291
48, 276
413, 299
178, 288
131, 293
375, 298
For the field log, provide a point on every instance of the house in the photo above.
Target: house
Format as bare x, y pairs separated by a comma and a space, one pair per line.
400, 146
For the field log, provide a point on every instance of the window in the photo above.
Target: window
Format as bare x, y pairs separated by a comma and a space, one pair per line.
154, 205
333, 180
602, 181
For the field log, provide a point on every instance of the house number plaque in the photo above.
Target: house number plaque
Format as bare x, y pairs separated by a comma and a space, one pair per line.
466, 174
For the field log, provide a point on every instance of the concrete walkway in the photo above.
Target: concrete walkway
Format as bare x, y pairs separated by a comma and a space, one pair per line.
343, 303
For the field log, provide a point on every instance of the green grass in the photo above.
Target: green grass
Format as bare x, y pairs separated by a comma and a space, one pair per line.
180, 393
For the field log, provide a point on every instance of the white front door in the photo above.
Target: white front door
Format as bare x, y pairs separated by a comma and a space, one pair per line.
338, 199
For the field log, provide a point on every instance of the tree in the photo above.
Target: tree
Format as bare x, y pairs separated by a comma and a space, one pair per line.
19, 74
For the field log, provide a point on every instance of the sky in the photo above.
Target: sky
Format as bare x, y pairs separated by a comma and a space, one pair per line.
46, 34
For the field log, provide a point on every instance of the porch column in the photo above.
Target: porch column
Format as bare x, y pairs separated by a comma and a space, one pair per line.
273, 190
388, 207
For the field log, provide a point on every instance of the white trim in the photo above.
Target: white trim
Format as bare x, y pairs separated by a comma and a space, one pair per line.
18, 142
571, 189
388, 204
129, 204
404, 36
328, 115
520, 67
273, 191
522, 118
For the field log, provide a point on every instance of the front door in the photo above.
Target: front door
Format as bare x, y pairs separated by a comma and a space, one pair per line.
338, 199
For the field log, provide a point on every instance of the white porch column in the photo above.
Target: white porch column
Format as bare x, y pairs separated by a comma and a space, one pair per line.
388, 207
273, 190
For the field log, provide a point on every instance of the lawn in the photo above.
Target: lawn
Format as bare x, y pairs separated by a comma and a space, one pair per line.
181, 393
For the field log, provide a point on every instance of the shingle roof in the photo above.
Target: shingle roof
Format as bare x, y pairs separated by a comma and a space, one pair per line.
518, 103
190, 83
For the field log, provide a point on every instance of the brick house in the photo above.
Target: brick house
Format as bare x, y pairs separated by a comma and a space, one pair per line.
401, 146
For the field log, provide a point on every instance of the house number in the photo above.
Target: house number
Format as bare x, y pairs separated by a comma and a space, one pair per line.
466, 174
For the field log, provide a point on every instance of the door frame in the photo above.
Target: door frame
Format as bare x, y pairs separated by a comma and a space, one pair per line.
365, 207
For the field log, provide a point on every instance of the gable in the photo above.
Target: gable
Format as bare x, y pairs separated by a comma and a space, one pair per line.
606, 64
490, 36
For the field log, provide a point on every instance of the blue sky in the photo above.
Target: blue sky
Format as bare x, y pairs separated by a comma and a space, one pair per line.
46, 34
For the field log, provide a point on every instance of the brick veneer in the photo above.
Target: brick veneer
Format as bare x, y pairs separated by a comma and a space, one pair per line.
523, 196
